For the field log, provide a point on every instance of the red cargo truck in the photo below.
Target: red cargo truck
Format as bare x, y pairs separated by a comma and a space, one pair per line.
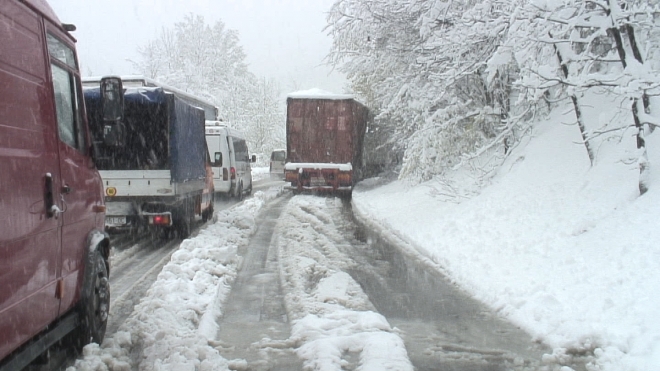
324, 135
53, 251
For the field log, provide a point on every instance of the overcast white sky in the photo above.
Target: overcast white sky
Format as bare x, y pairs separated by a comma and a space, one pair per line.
283, 39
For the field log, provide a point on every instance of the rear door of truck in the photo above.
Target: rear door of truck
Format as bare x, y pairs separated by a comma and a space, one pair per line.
30, 242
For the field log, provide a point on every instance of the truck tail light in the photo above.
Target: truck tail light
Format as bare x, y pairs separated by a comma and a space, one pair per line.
160, 220
291, 176
232, 170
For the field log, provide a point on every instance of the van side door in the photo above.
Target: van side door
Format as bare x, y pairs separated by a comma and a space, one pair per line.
29, 171
80, 185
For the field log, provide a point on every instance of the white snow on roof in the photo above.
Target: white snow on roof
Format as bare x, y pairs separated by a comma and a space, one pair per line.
316, 93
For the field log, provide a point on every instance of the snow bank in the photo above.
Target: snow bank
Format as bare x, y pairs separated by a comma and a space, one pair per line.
567, 251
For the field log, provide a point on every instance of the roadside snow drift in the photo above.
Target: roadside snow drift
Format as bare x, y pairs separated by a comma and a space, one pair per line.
569, 252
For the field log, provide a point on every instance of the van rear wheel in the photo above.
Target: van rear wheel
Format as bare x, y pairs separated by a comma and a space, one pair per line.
239, 192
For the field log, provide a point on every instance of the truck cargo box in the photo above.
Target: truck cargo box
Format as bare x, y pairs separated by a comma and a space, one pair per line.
162, 132
324, 130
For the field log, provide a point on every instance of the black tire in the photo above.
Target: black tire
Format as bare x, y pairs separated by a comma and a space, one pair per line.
239, 192
208, 213
95, 302
183, 224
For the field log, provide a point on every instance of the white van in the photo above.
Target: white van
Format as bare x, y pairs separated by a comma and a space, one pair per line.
277, 161
230, 160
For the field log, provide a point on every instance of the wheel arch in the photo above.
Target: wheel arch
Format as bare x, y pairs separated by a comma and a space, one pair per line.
97, 241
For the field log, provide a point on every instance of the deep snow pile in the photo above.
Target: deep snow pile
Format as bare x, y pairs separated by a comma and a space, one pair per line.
567, 251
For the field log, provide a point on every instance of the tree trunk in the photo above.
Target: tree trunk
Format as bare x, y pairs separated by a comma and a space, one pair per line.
638, 56
576, 106
641, 143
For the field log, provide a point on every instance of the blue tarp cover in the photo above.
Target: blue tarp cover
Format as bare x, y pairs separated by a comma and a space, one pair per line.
183, 122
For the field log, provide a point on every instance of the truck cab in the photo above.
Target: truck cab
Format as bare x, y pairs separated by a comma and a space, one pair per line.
53, 251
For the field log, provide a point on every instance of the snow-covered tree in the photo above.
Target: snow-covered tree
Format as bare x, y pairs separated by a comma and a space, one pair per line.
455, 81
426, 64
596, 46
208, 61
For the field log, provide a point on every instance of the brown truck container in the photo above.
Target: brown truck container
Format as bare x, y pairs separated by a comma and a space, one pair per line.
325, 135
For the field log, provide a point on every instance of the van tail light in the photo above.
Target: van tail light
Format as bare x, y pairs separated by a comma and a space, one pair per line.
225, 174
232, 170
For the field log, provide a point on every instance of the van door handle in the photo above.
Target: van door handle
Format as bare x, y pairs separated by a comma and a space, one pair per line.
51, 209
48, 195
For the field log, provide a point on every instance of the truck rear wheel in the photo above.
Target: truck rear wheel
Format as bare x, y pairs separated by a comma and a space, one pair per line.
94, 304
182, 225
208, 213
183, 221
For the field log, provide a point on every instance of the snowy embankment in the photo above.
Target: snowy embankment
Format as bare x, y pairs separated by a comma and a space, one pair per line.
569, 252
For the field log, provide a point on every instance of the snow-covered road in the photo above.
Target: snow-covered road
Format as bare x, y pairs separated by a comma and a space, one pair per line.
281, 283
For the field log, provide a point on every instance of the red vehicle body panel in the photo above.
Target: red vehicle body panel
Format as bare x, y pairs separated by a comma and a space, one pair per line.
325, 131
41, 256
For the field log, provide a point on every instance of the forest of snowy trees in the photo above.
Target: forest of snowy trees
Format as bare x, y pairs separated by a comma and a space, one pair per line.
452, 84
209, 61
453, 81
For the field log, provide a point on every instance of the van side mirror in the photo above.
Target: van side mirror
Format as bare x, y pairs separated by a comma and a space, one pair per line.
112, 99
254, 158
218, 159
112, 109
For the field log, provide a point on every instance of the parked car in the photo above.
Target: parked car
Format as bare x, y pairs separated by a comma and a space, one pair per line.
277, 161
230, 160
53, 249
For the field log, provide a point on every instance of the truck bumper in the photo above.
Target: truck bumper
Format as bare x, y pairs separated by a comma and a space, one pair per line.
319, 178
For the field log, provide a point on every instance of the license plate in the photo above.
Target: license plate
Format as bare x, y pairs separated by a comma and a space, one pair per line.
317, 181
115, 220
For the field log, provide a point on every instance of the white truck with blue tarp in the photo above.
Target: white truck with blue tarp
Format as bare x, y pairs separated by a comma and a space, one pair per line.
154, 162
